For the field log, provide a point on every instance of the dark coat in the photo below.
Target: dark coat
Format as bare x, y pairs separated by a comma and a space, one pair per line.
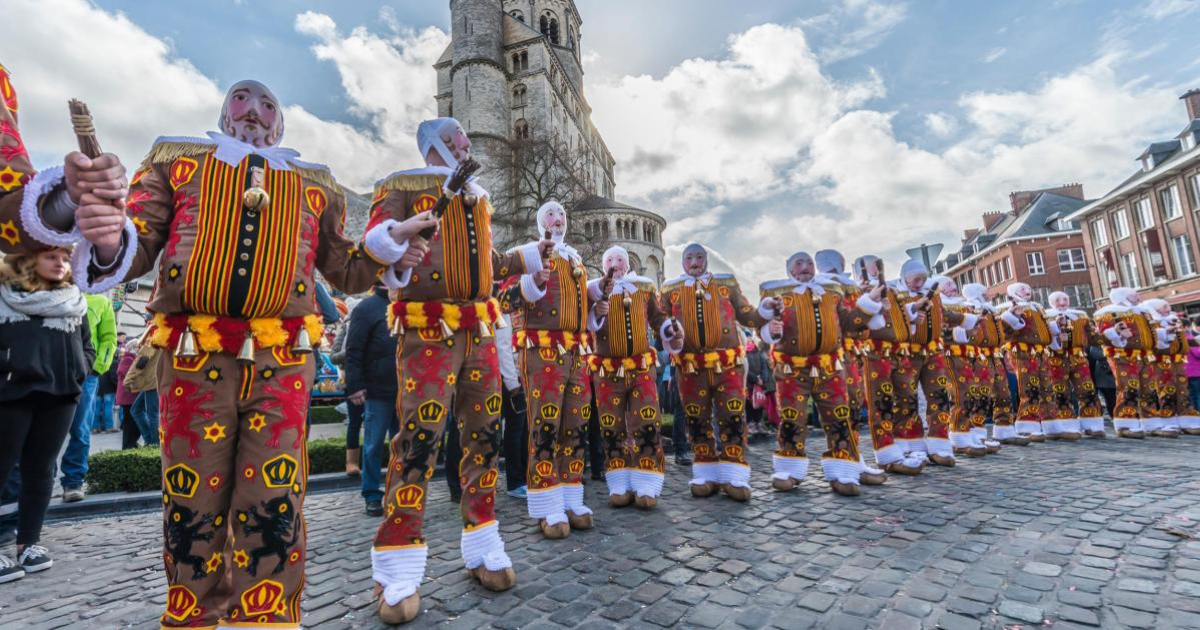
1101, 372
34, 358
758, 366
371, 350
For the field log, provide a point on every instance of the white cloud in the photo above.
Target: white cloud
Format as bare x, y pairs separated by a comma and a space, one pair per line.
856, 26
994, 54
1162, 9
940, 124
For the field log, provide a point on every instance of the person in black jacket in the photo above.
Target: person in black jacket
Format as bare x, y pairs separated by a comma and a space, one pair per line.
45, 353
371, 382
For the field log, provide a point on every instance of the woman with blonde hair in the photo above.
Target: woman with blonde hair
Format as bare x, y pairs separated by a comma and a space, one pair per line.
45, 353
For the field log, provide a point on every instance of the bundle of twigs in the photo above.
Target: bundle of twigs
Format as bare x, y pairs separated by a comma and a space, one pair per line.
85, 131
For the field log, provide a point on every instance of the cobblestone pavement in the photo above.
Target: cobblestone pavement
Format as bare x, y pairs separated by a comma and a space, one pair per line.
1090, 534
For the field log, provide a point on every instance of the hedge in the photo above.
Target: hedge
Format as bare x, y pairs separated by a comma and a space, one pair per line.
325, 415
140, 469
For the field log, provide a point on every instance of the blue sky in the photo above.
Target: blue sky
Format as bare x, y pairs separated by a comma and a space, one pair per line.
866, 125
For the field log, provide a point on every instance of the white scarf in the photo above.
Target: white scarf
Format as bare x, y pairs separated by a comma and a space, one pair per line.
703, 280
1069, 313
60, 309
566, 252
232, 151
628, 283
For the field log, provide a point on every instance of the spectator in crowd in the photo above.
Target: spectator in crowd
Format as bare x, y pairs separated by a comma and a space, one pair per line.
130, 431
513, 410
106, 392
669, 402
371, 382
452, 456
48, 356
103, 330
145, 413
354, 411
10, 491
760, 387
1193, 363
1103, 378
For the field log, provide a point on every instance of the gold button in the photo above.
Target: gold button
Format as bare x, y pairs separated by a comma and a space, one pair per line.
242, 271
249, 228
244, 256
247, 242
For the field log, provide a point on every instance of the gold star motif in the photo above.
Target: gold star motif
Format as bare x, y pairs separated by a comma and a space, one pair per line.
451, 379
10, 233
141, 225
410, 385
257, 422
476, 375
9, 179
214, 432
214, 562
241, 558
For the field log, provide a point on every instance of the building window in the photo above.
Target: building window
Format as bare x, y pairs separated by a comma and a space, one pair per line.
1041, 295
1099, 233
1170, 202
519, 96
1129, 269
1145, 217
549, 27
1037, 266
991, 280
1195, 181
1080, 295
1007, 268
1185, 263
520, 61
518, 15
1071, 259
521, 130
1121, 224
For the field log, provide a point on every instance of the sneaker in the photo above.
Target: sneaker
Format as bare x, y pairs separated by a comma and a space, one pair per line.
72, 494
9, 570
519, 493
374, 507
35, 558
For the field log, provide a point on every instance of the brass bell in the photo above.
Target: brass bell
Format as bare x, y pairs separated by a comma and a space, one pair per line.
398, 327
601, 373
255, 199
501, 324
578, 273
621, 372
247, 353
689, 368
485, 331
562, 349
529, 342
787, 368
303, 343
186, 349
838, 365
718, 368
447, 331
815, 372
627, 301
470, 199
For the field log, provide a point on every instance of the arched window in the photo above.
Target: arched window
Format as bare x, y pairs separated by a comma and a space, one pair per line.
516, 62
524, 60
519, 95
548, 25
521, 130
518, 15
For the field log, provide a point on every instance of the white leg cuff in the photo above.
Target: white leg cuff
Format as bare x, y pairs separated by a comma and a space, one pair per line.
399, 571
865, 468
889, 455
980, 433
914, 460
736, 475
1003, 432
547, 504
1070, 425
939, 446
1091, 424
618, 481
1189, 422
1132, 424
1153, 424
646, 483
841, 470
1029, 427
790, 468
573, 499
1171, 424
1051, 427
962, 440
705, 473
913, 446
483, 546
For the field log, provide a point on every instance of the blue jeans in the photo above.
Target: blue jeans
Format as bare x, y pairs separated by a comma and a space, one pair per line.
1194, 392
145, 414
74, 460
379, 423
103, 415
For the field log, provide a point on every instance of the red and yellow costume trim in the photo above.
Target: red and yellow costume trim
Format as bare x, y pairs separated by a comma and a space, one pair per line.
725, 359
610, 365
553, 339
1035, 348
432, 315
903, 348
215, 333
828, 362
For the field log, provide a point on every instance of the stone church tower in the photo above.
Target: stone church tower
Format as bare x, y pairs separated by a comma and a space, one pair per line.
513, 72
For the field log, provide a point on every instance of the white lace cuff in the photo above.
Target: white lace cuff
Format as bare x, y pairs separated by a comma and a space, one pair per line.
85, 256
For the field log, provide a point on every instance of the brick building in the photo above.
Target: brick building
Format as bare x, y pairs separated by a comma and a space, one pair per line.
1031, 242
1144, 232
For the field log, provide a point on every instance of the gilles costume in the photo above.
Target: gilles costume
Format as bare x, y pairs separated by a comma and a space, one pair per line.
28, 196
1069, 375
968, 374
234, 310
987, 338
624, 369
1031, 337
808, 359
1174, 407
447, 364
552, 344
1132, 360
712, 376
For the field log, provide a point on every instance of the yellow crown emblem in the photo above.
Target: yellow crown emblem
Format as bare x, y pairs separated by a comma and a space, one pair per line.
492, 404
648, 413
280, 471
264, 598
550, 411
181, 481
431, 411
181, 603
409, 496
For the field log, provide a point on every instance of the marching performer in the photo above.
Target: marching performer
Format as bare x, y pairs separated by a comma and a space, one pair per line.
1069, 373
624, 366
444, 315
1030, 337
1175, 408
239, 226
712, 372
1130, 341
52, 207
552, 344
807, 316
928, 365
962, 358
988, 339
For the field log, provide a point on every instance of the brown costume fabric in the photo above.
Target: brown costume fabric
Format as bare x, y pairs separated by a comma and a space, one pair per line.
629, 421
559, 405
1132, 366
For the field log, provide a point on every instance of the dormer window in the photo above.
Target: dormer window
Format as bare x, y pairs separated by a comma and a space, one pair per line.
1147, 164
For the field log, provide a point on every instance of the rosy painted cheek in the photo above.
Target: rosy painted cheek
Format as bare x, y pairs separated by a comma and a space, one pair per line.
237, 109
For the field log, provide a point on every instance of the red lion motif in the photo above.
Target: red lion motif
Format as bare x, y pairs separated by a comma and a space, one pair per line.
291, 398
184, 406
430, 366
